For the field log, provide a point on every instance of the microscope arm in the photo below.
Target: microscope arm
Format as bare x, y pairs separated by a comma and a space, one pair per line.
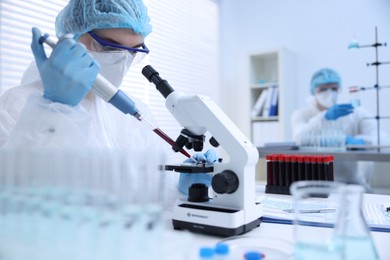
200, 114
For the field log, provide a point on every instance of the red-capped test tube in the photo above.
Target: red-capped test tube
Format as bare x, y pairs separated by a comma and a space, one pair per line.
307, 163
328, 162
288, 179
320, 168
301, 167
314, 167
269, 162
294, 168
282, 170
276, 170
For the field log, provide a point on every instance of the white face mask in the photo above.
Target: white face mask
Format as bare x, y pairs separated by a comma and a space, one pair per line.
113, 65
326, 98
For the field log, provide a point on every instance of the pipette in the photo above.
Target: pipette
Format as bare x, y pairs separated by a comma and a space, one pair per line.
104, 89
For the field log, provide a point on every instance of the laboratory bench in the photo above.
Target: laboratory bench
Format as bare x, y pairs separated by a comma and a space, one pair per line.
180, 244
285, 231
341, 154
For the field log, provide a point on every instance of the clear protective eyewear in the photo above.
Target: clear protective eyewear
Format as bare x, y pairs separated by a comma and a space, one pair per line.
334, 87
102, 45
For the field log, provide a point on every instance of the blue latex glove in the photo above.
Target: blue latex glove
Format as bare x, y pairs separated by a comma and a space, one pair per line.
354, 141
338, 110
68, 74
187, 179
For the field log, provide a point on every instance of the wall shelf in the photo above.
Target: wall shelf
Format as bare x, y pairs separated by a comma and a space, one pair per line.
272, 95
265, 119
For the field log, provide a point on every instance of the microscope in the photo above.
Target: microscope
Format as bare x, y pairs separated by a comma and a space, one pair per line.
232, 208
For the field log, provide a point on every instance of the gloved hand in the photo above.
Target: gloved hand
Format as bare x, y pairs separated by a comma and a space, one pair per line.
354, 141
187, 179
338, 110
68, 74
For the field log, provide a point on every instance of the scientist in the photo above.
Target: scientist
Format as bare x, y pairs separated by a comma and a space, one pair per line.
108, 38
322, 108
68, 114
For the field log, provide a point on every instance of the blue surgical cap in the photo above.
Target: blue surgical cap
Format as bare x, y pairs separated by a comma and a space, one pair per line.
82, 16
324, 76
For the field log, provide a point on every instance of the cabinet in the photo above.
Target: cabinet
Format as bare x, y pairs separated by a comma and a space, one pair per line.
272, 92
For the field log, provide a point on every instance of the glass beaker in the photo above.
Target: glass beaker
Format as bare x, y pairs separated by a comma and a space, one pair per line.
351, 230
315, 202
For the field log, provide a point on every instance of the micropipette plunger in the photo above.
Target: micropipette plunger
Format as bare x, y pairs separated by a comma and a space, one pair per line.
109, 93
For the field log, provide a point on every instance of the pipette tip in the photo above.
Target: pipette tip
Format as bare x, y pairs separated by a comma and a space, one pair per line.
193, 159
186, 154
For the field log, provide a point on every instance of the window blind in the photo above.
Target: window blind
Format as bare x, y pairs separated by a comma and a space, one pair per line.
16, 19
183, 48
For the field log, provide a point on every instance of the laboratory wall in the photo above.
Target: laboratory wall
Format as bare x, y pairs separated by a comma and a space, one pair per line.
318, 32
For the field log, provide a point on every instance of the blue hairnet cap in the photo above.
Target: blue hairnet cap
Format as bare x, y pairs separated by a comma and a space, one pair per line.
324, 76
82, 16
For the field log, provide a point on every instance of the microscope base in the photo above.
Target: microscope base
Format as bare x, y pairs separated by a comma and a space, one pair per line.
213, 230
212, 220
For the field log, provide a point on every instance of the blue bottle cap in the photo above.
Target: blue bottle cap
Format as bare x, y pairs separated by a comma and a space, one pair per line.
222, 249
253, 255
206, 252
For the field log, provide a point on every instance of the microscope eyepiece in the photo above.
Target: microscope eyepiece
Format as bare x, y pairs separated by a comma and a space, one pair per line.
148, 71
161, 84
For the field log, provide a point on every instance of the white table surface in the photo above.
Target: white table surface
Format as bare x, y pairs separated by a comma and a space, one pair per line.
283, 231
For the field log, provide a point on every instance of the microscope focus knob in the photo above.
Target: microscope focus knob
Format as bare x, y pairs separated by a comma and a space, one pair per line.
198, 192
214, 142
225, 182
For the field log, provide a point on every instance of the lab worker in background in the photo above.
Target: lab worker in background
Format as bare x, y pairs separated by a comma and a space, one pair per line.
54, 106
322, 110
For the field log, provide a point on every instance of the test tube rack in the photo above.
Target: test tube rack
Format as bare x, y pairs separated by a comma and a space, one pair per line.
284, 169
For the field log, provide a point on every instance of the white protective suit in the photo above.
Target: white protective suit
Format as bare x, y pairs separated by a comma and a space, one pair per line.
309, 118
28, 120
93, 123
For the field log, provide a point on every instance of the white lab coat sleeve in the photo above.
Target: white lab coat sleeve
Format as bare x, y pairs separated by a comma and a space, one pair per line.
7, 121
43, 123
368, 131
12, 102
303, 122
367, 127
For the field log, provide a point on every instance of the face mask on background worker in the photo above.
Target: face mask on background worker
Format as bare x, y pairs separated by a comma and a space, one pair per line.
326, 98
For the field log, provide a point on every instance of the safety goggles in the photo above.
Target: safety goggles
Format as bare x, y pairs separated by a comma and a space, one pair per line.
333, 87
103, 45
